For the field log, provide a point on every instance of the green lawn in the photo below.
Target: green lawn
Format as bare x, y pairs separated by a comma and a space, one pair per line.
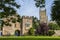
29, 38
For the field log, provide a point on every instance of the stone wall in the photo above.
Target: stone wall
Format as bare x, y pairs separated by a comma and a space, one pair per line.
23, 28
43, 16
26, 24
10, 30
57, 33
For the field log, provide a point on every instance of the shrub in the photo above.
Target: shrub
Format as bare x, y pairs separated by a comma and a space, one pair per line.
31, 31
53, 26
42, 30
51, 32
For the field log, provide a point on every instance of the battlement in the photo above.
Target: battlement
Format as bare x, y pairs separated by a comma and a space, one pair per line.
27, 17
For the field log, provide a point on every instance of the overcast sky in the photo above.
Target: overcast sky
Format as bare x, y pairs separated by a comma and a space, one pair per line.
28, 8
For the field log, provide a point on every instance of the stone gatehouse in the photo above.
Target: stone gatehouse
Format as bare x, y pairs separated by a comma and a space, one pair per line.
17, 28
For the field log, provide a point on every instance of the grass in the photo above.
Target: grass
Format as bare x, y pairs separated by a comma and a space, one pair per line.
29, 38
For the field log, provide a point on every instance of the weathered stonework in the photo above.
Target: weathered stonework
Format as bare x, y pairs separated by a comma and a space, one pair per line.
57, 33
43, 17
21, 27
10, 30
26, 24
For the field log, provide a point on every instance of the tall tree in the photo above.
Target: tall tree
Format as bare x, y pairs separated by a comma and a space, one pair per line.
43, 29
7, 7
35, 22
39, 2
56, 11
53, 26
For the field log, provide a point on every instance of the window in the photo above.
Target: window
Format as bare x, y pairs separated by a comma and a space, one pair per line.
27, 24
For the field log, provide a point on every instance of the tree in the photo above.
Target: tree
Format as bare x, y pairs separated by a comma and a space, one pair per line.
39, 2
43, 29
19, 18
51, 32
7, 7
35, 22
56, 11
53, 26
31, 31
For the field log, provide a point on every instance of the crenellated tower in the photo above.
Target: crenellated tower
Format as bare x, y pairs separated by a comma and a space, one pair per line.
42, 12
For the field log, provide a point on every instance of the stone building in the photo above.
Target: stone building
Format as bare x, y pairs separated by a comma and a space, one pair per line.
10, 27
26, 24
42, 12
17, 28
11, 30
43, 16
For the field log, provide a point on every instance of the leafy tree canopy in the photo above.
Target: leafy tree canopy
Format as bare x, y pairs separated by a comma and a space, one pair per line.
53, 26
7, 7
35, 22
56, 11
38, 2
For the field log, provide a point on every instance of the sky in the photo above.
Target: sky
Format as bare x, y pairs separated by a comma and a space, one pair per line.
28, 8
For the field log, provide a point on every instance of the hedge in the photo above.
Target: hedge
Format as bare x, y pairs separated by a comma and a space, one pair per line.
29, 38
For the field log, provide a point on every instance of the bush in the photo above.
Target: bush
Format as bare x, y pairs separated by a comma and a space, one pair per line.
53, 26
31, 31
51, 32
42, 30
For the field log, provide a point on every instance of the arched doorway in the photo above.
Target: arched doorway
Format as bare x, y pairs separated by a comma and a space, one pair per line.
0, 33
17, 32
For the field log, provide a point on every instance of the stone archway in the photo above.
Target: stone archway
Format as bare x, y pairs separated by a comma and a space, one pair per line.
17, 32
0, 33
